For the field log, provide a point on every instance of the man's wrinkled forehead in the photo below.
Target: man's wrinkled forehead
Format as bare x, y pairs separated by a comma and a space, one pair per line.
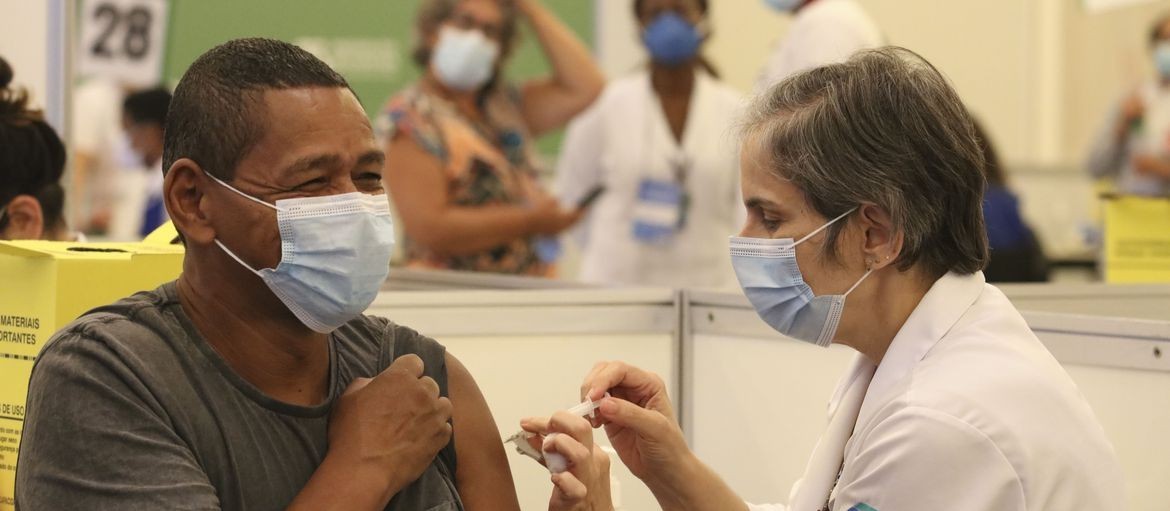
317, 124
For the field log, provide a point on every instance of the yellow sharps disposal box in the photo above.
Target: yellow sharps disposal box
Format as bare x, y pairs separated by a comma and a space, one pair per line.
44, 285
1137, 240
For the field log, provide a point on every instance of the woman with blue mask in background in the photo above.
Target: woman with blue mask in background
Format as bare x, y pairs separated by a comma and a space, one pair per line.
864, 186
461, 167
657, 142
1133, 144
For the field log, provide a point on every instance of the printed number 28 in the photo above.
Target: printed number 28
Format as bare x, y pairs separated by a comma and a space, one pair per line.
135, 43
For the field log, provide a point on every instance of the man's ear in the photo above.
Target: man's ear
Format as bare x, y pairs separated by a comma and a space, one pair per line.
186, 203
883, 240
25, 219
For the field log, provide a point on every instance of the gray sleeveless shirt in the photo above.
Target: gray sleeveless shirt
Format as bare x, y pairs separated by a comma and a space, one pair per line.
130, 408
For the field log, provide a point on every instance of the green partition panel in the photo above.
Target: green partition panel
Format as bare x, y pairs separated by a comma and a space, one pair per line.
368, 41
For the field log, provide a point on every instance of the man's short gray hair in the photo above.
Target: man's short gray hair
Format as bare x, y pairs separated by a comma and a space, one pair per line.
882, 128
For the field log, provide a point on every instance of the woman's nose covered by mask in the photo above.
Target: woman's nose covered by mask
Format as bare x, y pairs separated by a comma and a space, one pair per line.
671, 39
774, 284
464, 60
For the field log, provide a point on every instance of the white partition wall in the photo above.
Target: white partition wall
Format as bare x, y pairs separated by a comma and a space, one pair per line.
737, 373
756, 403
1137, 301
410, 279
1123, 368
530, 350
753, 403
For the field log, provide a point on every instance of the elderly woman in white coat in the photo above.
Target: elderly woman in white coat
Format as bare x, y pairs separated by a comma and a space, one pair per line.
658, 142
863, 184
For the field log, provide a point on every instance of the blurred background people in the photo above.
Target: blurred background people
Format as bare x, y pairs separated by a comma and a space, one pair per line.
460, 163
32, 160
140, 208
657, 144
821, 32
99, 153
1133, 144
1016, 254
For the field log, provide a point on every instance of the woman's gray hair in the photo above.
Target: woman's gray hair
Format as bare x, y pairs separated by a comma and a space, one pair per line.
431, 15
884, 128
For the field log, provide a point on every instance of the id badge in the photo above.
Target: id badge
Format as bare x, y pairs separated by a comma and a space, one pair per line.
658, 211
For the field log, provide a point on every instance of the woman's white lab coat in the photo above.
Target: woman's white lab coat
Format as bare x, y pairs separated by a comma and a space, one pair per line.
967, 412
623, 140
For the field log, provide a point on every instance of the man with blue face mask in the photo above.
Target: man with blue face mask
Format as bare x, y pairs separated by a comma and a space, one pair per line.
254, 381
1133, 144
822, 32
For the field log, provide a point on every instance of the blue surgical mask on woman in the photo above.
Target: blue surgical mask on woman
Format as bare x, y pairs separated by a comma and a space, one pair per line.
784, 5
334, 255
774, 285
1162, 59
671, 39
464, 60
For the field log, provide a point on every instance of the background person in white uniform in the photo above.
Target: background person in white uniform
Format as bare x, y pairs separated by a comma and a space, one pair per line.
864, 179
1133, 145
822, 32
100, 153
141, 209
658, 141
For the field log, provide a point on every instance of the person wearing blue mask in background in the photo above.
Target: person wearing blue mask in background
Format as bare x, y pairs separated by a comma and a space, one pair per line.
864, 186
657, 142
144, 114
822, 32
461, 164
1133, 144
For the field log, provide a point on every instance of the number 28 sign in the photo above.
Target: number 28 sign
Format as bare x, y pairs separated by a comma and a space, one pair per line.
123, 40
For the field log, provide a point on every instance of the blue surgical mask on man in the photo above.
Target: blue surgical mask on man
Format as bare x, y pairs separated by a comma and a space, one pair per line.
671, 39
464, 60
769, 275
334, 255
